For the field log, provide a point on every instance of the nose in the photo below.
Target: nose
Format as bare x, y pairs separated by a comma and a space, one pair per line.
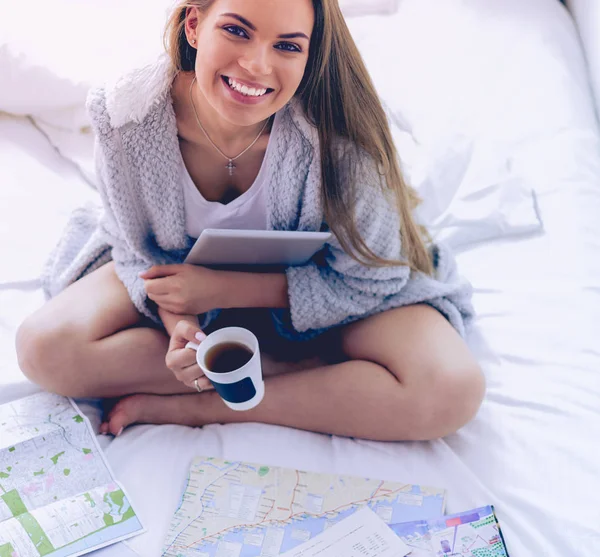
256, 60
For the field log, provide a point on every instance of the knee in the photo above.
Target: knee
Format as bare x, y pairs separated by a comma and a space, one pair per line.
450, 399
45, 354
27, 344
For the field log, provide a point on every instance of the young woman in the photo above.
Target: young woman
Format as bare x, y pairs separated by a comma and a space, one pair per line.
261, 116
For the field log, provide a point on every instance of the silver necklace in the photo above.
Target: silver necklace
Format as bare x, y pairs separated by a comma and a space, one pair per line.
230, 166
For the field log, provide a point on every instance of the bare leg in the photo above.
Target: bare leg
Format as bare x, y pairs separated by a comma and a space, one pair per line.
409, 376
90, 341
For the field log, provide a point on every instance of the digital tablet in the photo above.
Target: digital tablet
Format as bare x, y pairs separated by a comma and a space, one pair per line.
255, 247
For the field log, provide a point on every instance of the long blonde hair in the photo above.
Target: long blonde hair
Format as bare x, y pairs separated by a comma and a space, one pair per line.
340, 100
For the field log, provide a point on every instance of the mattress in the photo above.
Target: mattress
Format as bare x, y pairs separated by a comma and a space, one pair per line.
532, 449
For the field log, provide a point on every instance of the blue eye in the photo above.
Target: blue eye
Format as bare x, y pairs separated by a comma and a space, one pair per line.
292, 45
235, 30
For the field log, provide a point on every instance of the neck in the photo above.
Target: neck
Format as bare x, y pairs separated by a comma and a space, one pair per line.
229, 138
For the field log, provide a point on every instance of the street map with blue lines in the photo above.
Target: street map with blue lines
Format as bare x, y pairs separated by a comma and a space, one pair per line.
239, 509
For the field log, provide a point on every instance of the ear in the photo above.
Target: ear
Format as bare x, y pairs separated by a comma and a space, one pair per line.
192, 19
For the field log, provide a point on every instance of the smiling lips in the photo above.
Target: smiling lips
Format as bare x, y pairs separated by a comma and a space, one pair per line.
246, 90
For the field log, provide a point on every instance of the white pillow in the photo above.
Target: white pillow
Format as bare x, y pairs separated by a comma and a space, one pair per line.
67, 46
467, 84
587, 18
470, 193
507, 70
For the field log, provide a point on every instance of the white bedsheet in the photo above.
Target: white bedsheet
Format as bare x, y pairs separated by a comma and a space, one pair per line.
531, 451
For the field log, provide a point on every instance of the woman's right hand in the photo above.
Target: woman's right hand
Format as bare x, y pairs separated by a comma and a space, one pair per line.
181, 360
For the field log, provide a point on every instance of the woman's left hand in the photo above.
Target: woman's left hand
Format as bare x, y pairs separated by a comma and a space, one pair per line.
182, 289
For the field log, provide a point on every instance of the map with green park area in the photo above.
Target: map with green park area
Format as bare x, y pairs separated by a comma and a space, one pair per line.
58, 496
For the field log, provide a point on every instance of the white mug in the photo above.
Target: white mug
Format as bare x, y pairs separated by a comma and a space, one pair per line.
242, 388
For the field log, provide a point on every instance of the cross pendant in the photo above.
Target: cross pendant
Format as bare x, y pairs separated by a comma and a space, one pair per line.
230, 166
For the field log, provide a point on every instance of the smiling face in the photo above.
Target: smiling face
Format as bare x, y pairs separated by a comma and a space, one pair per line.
252, 55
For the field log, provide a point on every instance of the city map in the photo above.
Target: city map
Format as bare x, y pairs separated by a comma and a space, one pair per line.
238, 509
473, 533
58, 496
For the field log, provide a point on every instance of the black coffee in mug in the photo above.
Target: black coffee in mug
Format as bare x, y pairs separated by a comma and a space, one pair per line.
227, 356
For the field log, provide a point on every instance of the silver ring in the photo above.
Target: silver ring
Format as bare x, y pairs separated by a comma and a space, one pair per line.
198, 387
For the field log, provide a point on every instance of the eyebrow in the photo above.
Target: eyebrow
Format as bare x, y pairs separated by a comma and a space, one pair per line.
248, 24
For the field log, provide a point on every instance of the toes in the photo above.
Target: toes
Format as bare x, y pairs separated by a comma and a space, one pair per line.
118, 421
119, 417
143, 409
111, 428
116, 426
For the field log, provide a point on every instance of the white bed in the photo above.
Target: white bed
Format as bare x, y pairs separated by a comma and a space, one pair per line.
474, 88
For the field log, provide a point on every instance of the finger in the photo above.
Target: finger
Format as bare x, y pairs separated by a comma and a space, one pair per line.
203, 383
180, 360
183, 333
189, 374
157, 286
158, 271
164, 303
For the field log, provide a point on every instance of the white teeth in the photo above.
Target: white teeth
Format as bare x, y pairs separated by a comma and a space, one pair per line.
248, 91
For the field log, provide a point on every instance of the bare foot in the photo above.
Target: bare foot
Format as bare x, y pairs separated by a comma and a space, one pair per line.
181, 408
147, 409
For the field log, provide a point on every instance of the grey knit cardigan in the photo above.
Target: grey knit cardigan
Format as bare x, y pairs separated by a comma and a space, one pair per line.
141, 220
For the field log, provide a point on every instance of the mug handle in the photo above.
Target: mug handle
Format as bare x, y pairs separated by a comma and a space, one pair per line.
192, 346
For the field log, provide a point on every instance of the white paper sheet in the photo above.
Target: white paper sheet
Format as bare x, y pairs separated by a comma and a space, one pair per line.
362, 534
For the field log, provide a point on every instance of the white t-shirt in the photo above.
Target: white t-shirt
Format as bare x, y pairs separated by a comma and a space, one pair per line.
246, 212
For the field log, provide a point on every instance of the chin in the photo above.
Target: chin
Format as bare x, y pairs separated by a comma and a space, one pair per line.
245, 115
